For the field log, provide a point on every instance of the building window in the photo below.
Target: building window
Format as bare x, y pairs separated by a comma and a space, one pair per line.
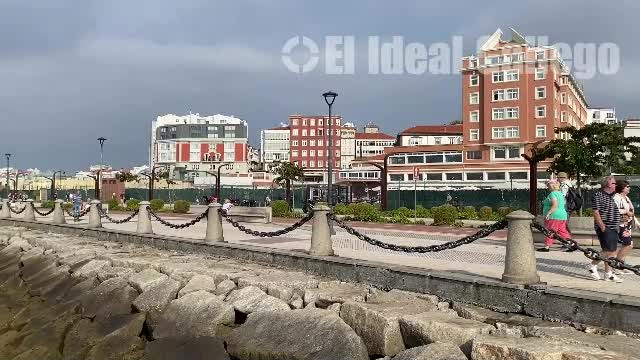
434, 176
294, 122
397, 160
475, 176
498, 95
512, 113
320, 153
304, 122
519, 175
497, 114
497, 76
474, 134
474, 98
495, 176
320, 122
474, 80
474, 116
541, 111
437, 140
540, 55
294, 132
539, 73
512, 94
497, 133
304, 142
454, 176
474, 155
507, 152
473, 63
415, 140
513, 132
312, 153
337, 121
541, 92
312, 163
511, 75
396, 177
312, 122
304, 132
304, 163
563, 116
415, 159
541, 130
320, 132
312, 132
563, 98
320, 163
304, 153
294, 143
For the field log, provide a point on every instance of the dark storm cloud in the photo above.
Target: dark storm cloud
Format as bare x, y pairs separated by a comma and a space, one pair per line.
72, 71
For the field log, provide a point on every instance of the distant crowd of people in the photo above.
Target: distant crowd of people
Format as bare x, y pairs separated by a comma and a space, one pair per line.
613, 217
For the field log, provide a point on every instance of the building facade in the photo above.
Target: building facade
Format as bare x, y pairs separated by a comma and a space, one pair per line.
347, 145
310, 145
431, 135
602, 115
275, 146
192, 145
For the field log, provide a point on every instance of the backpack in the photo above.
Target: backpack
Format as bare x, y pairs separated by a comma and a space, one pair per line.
574, 200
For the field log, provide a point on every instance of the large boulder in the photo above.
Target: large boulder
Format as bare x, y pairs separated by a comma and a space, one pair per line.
86, 333
198, 282
437, 326
40, 353
91, 269
224, 288
117, 348
251, 299
111, 297
146, 279
186, 348
301, 334
377, 323
617, 343
489, 347
196, 314
109, 272
332, 292
437, 351
157, 297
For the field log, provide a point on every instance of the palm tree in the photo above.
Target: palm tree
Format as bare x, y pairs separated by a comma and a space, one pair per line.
286, 173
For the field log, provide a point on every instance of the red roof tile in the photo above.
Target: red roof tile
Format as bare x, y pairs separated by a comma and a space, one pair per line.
280, 128
374, 136
434, 129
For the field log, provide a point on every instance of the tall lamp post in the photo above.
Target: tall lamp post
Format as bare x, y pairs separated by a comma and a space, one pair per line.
8, 157
227, 165
101, 140
208, 173
329, 98
54, 193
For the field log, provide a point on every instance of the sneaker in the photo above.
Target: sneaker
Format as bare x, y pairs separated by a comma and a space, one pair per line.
544, 249
612, 277
593, 271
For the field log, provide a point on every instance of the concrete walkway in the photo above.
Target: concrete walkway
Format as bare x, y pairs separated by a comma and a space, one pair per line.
482, 258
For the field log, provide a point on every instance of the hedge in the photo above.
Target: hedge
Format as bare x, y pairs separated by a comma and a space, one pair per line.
181, 206
279, 208
156, 204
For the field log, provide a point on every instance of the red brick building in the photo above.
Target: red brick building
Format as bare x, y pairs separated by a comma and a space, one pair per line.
309, 142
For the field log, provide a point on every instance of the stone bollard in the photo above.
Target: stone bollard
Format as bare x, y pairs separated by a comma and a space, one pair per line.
214, 224
520, 261
5, 213
144, 219
29, 213
58, 213
95, 222
320, 232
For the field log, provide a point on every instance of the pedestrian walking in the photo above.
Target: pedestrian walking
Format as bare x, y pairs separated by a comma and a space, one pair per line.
227, 206
606, 220
628, 221
555, 214
573, 200
77, 206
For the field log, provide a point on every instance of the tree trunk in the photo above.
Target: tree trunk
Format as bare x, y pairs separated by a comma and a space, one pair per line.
287, 193
578, 184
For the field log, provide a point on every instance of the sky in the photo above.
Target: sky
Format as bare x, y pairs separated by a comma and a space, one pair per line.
75, 70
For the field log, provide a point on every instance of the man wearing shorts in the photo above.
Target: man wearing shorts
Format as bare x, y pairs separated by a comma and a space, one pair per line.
606, 220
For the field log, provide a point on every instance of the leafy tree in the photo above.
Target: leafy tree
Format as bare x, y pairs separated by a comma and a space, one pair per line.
126, 176
287, 172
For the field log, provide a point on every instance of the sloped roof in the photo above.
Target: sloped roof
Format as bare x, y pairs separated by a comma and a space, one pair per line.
434, 129
374, 136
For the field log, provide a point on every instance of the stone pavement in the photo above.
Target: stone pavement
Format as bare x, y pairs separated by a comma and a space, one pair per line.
481, 258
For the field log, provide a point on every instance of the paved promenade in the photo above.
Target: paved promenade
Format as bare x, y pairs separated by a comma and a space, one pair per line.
482, 258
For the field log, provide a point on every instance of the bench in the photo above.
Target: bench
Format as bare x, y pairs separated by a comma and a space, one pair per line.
251, 214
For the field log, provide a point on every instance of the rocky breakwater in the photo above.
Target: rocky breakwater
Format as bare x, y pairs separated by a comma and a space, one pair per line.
67, 297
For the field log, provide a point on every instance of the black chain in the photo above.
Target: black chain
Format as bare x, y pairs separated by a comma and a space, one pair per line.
590, 253
43, 213
81, 214
280, 232
128, 218
178, 226
18, 212
422, 249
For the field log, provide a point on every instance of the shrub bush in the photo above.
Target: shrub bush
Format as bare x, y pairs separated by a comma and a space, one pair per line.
294, 215
114, 204
181, 206
399, 219
67, 206
364, 212
157, 204
588, 212
444, 215
47, 204
422, 212
133, 204
504, 211
468, 213
403, 212
485, 213
279, 208
341, 209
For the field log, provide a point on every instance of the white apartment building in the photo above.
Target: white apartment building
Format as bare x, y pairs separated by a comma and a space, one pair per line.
274, 146
431, 135
191, 145
602, 115
348, 145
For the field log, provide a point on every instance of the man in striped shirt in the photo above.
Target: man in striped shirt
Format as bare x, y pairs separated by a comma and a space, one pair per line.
606, 220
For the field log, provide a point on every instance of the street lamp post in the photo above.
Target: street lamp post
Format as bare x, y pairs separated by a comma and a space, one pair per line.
219, 178
101, 140
329, 98
208, 173
53, 183
8, 157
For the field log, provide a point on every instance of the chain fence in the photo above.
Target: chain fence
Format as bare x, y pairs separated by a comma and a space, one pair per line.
280, 232
178, 226
499, 225
590, 253
80, 214
46, 213
104, 214
17, 212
